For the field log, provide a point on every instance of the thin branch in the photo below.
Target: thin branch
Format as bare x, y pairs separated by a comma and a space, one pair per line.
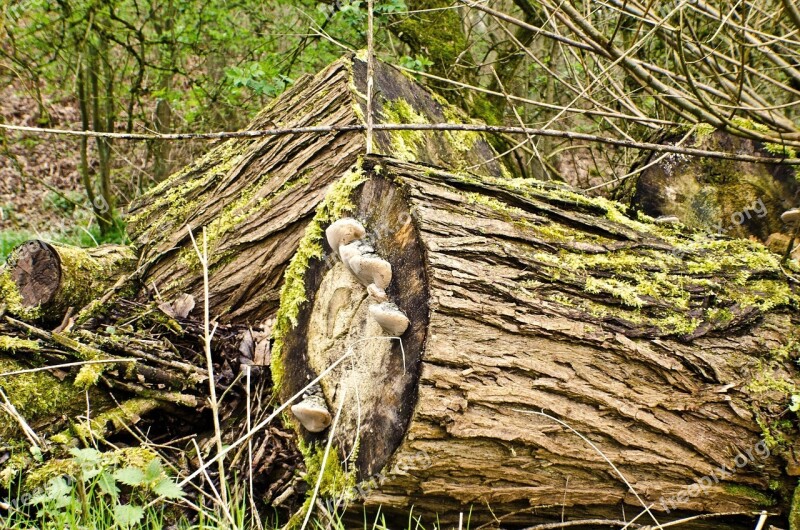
789, 140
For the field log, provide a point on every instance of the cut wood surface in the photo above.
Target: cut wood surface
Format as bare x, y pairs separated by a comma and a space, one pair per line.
672, 354
55, 278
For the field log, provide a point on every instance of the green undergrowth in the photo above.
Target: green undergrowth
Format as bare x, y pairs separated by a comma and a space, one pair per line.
76, 235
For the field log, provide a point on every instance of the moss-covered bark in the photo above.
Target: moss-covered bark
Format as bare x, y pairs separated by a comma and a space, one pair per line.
674, 352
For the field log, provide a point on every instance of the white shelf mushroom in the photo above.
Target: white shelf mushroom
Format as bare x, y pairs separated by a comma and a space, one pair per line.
313, 413
393, 321
344, 231
376, 293
791, 216
371, 269
354, 249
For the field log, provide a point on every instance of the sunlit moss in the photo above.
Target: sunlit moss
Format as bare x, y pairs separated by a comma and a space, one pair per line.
404, 144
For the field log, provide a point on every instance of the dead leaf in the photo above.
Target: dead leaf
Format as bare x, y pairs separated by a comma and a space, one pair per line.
183, 305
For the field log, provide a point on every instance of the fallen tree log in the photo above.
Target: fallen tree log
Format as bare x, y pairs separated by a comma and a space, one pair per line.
53, 278
672, 352
256, 196
674, 355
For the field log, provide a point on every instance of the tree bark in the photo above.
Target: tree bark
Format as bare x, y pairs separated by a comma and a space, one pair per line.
673, 352
673, 356
255, 197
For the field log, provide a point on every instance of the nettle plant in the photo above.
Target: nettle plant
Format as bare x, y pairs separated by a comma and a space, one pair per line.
121, 493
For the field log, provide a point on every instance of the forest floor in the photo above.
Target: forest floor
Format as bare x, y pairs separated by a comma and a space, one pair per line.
41, 192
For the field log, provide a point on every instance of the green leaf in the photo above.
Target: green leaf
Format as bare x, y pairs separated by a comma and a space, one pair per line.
153, 471
130, 476
126, 515
86, 456
168, 488
108, 485
795, 406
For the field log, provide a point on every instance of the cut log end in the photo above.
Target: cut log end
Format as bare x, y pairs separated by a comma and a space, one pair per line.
36, 269
55, 278
380, 377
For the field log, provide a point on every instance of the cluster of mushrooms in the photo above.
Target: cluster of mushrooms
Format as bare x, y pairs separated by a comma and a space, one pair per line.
347, 239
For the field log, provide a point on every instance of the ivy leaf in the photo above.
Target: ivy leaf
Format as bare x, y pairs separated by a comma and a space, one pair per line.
168, 489
126, 515
108, 485
130, 476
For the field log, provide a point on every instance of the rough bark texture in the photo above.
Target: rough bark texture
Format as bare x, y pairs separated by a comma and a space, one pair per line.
255, 197
672, 353
55, 277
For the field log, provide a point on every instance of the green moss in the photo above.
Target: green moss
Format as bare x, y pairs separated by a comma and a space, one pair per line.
741, 490
404, 144
702, 132
293, 293
245, 207
35, 395
179, 196
336, 481
794, 513
20, 460
118, 417
12, 299
13, 344
625, 292
461, 141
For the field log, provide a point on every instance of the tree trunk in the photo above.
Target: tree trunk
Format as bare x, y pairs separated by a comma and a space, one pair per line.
673, 356
256, 196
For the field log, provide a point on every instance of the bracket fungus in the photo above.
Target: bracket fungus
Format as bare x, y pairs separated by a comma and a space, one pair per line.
391, 319
376, 293
371, 269
791, 216
312, 411
344, 231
